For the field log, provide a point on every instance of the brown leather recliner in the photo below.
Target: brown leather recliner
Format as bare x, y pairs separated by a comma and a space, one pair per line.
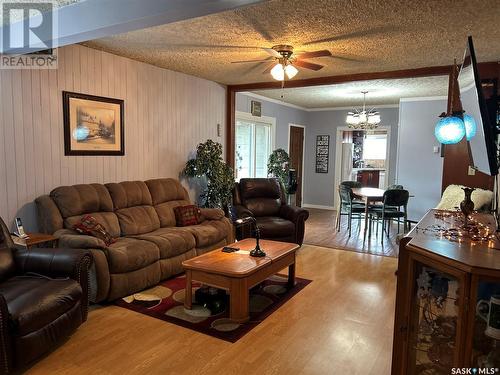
43, 299
265, 200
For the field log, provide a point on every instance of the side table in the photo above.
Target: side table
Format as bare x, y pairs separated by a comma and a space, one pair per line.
35, 239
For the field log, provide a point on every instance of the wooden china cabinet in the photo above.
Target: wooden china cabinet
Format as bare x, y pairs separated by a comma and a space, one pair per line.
448, 296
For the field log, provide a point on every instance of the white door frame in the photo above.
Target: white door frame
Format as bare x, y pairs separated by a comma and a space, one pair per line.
264, 119
338, 158
303, 153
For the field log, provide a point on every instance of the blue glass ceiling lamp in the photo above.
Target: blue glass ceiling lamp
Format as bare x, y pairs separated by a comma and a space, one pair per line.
451, 128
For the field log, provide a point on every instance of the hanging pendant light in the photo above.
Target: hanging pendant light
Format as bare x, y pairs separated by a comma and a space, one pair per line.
470, 126
450, 129
363, 119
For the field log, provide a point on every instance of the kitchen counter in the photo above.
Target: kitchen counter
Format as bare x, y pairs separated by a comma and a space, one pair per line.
368, 169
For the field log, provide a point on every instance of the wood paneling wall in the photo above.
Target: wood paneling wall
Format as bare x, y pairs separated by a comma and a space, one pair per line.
166, 115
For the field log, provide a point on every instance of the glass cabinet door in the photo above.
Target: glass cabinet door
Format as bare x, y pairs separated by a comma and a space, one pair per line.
434, 320
485, 331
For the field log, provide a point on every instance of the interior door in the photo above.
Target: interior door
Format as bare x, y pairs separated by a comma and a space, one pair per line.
296, 151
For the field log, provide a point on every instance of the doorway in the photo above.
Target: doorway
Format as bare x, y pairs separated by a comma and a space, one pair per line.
362, 156
296, 135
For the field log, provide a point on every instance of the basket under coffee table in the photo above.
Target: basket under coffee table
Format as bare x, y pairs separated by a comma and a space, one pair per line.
238, 272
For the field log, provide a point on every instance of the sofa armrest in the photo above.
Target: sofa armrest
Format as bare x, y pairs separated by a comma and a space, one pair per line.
242, 212
71, 239
294, 214
72, 263
53, 262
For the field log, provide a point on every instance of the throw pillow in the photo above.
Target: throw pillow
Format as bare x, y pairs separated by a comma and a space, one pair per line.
187, 215
90, 226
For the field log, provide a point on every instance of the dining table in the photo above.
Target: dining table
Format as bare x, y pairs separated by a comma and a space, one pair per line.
368, 196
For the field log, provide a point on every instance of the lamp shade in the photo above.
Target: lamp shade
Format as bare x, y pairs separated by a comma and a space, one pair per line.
450, 130
470, 126
290, 71
278, 72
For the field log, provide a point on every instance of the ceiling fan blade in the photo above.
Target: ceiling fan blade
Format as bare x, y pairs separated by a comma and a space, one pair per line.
251, 69
268, 69
307, 65
310, 55
356, 34
346, 58
272, 52
252, 61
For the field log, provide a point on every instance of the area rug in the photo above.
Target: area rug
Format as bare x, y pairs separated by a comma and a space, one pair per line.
166, 302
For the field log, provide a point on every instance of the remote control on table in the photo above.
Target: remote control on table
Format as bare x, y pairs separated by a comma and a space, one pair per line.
229, 249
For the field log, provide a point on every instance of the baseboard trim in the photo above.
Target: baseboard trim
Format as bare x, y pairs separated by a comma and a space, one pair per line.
331, 208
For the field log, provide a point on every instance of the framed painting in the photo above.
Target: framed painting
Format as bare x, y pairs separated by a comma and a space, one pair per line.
93, 125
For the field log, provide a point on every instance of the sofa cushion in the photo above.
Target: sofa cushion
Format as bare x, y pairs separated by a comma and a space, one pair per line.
82, 199
167, 194
107, 219
129, 194
34, 302
208, 232
166, 190
130, 254
137, 220
271, 227
171, 241
134, 209
166, 214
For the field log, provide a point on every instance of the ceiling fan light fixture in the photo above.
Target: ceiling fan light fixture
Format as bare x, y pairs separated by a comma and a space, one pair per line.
278, 72
291, 71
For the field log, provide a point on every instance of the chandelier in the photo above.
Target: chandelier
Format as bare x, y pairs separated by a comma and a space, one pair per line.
364, 119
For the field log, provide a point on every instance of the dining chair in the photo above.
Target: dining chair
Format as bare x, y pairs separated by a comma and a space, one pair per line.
348, 207
395, 187
394, 206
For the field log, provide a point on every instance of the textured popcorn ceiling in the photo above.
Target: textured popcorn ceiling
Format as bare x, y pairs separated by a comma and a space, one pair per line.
380, 91
364, 36
57, 4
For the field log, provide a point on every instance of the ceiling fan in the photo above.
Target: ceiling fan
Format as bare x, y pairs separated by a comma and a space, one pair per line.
283, 61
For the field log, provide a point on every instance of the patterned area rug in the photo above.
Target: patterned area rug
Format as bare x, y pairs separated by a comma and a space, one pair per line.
166, 302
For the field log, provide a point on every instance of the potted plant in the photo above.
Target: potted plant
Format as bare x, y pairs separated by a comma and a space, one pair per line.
278, 165
217, 175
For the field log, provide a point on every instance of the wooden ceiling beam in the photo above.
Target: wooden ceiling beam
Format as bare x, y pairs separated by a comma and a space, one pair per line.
330, 80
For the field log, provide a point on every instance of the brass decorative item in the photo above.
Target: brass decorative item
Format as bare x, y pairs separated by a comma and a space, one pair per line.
467, 205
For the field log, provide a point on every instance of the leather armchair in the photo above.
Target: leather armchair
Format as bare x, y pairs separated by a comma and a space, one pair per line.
43, 299
265, 200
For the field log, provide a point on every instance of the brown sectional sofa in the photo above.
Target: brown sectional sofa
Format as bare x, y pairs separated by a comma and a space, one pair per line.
140, 215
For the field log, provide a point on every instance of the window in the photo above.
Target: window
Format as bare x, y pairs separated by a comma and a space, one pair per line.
253, 147
375, 146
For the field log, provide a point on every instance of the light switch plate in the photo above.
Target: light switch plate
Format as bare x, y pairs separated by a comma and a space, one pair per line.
472, 171
436, 149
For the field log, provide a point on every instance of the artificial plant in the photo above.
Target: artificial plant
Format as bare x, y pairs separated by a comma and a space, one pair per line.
278, 165
219, 177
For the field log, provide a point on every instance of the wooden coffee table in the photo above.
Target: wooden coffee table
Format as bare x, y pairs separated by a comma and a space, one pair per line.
238, 272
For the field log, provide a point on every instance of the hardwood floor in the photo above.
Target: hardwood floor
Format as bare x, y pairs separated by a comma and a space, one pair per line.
341, 323
320, 231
